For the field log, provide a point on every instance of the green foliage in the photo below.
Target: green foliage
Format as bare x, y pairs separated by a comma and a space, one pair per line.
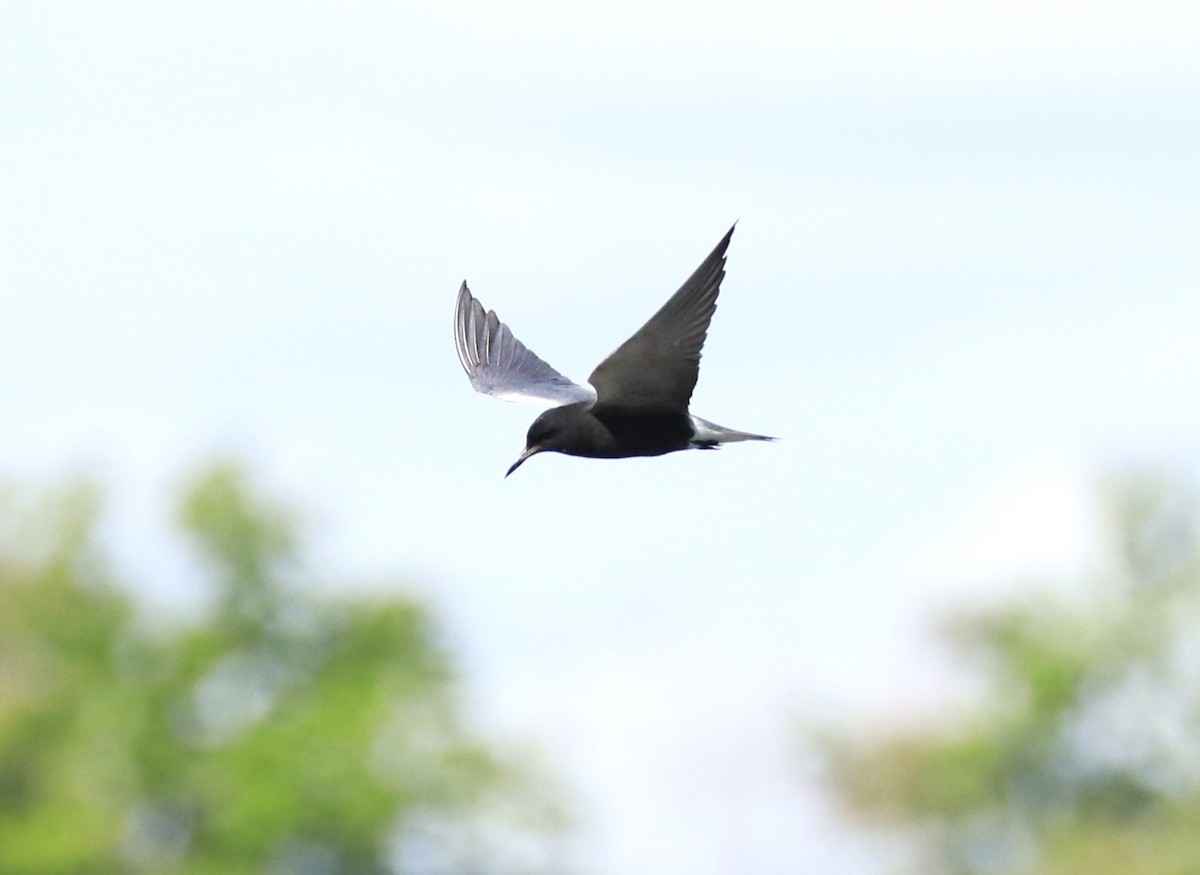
282, 734
1082, 755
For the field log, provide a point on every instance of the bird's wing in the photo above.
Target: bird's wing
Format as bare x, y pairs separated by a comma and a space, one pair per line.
656, 369
500, 365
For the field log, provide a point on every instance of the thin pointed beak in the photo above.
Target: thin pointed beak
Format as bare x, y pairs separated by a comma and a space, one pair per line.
525, 455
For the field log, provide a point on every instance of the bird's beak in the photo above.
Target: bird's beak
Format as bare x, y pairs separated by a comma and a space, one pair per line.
529, 451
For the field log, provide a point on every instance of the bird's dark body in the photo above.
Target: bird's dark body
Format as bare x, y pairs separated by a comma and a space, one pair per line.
610, 433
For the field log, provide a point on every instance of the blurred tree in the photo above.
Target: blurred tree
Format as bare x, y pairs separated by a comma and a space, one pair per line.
282, 734
1082, 756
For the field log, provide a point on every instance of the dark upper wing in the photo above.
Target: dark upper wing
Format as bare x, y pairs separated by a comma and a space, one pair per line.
656, 369
498, 364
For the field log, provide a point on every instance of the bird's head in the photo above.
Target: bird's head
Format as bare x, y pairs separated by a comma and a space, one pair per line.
550, 433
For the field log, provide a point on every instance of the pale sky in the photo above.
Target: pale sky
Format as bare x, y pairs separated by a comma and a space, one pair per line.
965, 279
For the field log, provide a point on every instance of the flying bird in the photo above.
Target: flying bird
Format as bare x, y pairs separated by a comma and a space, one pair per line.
637, 403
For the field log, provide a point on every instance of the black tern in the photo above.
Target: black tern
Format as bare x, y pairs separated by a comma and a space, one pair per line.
639, 403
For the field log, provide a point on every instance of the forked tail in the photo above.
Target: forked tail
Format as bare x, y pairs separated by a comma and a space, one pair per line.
708, 435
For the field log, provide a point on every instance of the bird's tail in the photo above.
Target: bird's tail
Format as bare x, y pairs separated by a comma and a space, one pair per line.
708, 435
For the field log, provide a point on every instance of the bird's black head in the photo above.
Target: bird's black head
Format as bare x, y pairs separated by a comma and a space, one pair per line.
550, 433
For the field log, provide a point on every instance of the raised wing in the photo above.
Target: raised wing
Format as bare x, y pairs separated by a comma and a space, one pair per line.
500, 365
655, 370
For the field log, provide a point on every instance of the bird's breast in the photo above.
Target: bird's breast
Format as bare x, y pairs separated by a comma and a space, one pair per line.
618, 435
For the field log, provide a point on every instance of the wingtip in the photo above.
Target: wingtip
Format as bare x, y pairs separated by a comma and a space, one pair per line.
462, 304
724, 243
462, 301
